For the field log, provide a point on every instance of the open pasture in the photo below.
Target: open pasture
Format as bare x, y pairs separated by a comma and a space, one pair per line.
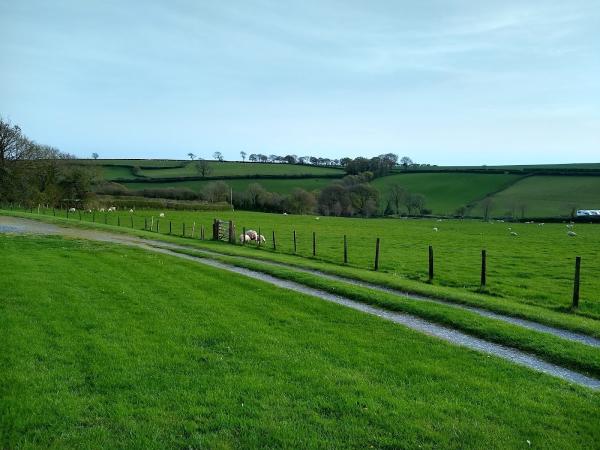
121, 348
535, 267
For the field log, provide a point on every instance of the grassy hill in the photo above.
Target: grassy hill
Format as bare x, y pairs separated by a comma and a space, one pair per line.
445, 188
547, 196
156, 169
279, 185
445, 192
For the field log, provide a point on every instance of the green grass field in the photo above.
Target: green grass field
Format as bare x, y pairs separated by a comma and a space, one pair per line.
547, 196
279, 185
534, 268
221, 169
445, 192
119, 348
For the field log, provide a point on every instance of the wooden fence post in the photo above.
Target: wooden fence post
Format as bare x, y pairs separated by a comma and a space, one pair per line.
131, 221
295, 248
53, 212
430, 263
202, 232
483, 267
576, 282
377, 254
243, 235
314, 244
258, 238
157, 225
231, 232
345, 250
193, 229
274, 243
170, 227
215, 230
67, 213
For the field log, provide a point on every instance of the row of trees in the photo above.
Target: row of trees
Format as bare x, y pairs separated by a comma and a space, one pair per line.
31, 173
353, 166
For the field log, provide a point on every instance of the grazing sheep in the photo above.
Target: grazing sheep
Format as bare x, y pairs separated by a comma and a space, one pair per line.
252, 235
131, 210
112, 208
571, 233
101, 209
512, 233
244, 238
72, 209
262, 238
316, 218
285, 214
161, 215
570, 225
435, 229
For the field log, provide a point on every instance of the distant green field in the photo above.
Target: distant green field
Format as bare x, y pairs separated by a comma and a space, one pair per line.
219, 169
282, 186
115, 347
547, 196
445, 192
133, 162
110, 172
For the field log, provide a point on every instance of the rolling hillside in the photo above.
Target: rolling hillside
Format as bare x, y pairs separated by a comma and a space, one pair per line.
514, 192
445, 192
546, 196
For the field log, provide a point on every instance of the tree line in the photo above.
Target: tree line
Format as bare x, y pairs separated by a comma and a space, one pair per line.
32, 173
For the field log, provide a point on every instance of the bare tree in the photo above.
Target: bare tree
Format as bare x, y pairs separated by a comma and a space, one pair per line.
397, 196
243, 155
191, 155
218, 156
487, 204
203, 167
95, 155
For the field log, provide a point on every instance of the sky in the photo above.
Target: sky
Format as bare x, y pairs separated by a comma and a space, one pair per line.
444, 82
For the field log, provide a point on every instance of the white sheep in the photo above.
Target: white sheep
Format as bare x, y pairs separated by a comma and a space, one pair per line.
285, 214
131, 210
571, 233
101, 209
316, 218
570, 225
513, 233
252, 235
112, 208
244, 238
161, 215
435, 229
72, 210
262, 238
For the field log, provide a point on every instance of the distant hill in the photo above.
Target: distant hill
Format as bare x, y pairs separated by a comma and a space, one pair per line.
538, 191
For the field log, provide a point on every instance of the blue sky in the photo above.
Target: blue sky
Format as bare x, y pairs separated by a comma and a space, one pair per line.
445, 82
